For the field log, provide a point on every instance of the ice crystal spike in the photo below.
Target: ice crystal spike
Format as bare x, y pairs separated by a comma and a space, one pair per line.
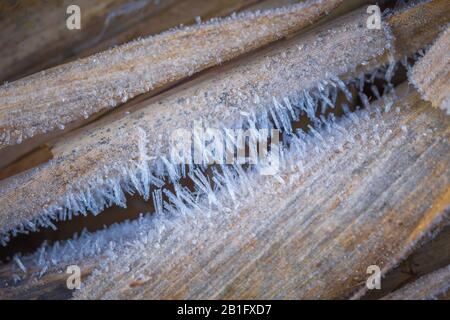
19, 264
104, 83
157, 201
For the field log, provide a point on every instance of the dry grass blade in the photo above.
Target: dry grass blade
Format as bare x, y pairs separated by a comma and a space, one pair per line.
54, 98
431, 286
319, 225
230, 92
363, 164
105, 24
430, 254
431, 75
98, 162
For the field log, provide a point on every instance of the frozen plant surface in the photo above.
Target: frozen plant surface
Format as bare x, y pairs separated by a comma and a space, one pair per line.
94, 169
39, 103
197, 242
234, 186
310, 206
428, 287
306, 222
431, 74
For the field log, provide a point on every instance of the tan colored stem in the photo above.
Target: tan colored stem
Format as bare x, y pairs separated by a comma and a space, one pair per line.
366, 205
54, 98
311, 234
87, 160
431, 75
45, 40
430, 286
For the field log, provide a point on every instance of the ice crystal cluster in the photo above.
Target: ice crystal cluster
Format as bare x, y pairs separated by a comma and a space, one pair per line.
91, 172
220, 196
263, 93
222, 191
187, 217
309, 82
